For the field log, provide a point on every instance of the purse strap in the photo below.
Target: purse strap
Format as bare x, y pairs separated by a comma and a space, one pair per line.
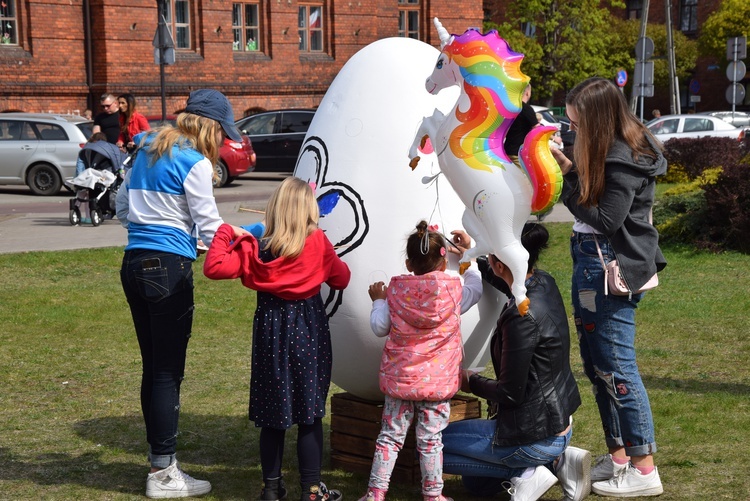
604, 265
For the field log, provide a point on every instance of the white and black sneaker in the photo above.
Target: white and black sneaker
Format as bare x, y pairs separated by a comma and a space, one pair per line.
172, 482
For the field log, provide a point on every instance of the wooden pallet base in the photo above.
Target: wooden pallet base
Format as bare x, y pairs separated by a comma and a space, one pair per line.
355, 425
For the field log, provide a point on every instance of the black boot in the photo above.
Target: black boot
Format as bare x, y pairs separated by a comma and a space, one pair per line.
320, 493
273, 490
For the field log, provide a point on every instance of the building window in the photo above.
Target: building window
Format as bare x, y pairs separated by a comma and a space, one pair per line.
246, 27
688, 16
408, 18
9, 30
529, 29
634, 9
310, 28
178, 20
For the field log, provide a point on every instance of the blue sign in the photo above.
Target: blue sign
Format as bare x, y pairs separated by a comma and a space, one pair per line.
694, 86
622, 78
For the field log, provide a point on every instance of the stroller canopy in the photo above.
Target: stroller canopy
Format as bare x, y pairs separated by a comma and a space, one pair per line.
101, 155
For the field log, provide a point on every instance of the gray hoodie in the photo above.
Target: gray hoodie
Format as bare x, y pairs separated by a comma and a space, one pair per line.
623, 211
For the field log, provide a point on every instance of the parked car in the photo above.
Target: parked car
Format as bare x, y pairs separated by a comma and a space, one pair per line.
738, 118
547, 117
41, 149
234, 158
692, 125
277, 137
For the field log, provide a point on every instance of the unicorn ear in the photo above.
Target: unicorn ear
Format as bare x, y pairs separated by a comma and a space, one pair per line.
445, 37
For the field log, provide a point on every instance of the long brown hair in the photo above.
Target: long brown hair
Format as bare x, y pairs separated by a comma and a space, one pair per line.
127, 115
291, 216
191, 131
603, 116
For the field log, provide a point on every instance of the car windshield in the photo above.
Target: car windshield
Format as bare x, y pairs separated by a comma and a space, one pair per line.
86, 128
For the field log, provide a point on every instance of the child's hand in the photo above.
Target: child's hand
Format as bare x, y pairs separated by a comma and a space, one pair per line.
377, 291
238, 232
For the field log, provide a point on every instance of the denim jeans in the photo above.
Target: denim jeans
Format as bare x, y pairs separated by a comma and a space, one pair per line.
159, 290
606, 335
468, 450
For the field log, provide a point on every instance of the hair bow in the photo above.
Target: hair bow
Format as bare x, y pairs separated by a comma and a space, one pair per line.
432, 227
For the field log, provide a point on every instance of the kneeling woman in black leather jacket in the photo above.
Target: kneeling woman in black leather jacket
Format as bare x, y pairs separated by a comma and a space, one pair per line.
524, 447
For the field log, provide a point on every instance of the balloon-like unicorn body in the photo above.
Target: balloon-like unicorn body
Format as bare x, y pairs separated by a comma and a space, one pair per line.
498, 195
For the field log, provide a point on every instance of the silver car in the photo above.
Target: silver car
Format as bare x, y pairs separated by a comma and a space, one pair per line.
691, 126
40, 149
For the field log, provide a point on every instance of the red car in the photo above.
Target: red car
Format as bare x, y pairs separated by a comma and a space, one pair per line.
234, 158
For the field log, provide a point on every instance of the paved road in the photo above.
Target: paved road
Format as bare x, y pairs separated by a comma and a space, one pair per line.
32, 223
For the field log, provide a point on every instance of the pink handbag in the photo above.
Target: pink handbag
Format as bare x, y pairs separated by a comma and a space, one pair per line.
613, 281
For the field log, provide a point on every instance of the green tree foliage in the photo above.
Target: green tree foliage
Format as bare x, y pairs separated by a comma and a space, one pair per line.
732, 19
626, 37
577, 39
571, 42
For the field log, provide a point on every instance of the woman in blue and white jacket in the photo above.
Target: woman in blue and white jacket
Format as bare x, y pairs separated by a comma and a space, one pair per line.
166, 202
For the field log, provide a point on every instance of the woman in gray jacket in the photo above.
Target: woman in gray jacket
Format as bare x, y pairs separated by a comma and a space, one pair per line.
609, 188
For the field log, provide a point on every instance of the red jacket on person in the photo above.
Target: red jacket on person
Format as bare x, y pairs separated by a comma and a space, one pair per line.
288, 278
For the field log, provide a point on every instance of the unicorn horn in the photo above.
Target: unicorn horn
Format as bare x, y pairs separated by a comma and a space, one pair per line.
443, 34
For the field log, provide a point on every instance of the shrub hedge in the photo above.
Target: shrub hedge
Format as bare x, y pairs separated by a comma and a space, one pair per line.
710, 207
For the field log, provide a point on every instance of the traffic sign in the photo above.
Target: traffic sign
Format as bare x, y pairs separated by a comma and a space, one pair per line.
736, 71
622, 77
695, 86
736, 48
644, 48
735, 94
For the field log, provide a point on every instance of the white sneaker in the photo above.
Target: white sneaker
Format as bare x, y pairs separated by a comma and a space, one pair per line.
630, 483
573, 473
532, 488
172, 482
604, 468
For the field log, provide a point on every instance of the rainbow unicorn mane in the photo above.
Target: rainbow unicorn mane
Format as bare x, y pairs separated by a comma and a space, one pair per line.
494, 83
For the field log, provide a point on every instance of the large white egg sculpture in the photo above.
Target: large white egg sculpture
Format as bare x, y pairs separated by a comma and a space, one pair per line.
356, 154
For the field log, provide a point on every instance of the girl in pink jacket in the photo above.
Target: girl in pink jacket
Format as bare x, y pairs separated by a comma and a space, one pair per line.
421, 366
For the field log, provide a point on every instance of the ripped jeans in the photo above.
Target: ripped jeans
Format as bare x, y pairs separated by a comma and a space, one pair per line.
159, 290
606, 336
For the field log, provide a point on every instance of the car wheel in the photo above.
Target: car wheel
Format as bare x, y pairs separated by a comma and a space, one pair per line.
43, 179
221, 174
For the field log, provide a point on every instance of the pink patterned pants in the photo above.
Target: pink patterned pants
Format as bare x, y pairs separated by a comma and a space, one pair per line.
432, 418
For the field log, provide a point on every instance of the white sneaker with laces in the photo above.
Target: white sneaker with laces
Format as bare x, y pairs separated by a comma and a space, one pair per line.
573, 473
532, 488
604, 468
629, 483
172, 482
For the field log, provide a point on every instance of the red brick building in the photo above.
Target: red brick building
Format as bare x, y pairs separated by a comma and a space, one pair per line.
61, 55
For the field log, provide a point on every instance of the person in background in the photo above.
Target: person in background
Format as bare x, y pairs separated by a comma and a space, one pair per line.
609, 188
420, 370
108, 120
131, 122
656, 113
292, 355
522, 124
166, 202
87, 114
524, 446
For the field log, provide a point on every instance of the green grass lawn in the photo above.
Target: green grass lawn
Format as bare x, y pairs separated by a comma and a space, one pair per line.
70, 424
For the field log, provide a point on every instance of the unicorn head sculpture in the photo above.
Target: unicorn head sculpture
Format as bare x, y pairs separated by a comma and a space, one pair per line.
499, 195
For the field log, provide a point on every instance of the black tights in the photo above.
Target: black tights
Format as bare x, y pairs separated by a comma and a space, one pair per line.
309, 452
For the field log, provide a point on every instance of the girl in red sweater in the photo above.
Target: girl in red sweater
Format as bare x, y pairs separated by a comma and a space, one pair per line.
291, 359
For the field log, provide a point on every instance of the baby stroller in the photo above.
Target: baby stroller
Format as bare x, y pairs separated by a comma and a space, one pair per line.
96, 185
